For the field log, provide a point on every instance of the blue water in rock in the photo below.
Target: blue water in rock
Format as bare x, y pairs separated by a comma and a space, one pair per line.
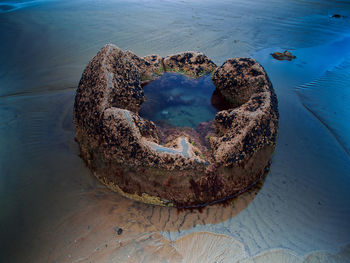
179, 100
53, 209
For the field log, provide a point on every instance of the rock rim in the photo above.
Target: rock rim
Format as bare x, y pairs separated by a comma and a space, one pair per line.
175, 167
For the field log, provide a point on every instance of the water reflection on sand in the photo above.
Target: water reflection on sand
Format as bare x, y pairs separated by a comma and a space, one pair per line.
96, 238
53, 209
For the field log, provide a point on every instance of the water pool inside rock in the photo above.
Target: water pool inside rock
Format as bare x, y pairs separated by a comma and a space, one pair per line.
178, 100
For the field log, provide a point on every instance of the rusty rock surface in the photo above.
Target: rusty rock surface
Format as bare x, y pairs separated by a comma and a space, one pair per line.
286, 55
176, 166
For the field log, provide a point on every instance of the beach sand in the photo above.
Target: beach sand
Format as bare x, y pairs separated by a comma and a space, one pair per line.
53, 209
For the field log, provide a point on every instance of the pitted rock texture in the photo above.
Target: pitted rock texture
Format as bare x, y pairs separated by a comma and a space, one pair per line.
173, 166
194, 64
286, 55
238, 78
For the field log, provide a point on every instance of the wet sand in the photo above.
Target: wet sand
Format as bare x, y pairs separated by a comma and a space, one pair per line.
53, 209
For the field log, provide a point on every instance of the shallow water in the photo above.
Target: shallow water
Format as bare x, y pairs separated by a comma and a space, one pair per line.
179, 100
328, 99
52, 208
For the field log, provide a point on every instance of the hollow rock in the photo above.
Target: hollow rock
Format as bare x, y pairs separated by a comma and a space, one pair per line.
176, 167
